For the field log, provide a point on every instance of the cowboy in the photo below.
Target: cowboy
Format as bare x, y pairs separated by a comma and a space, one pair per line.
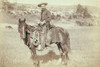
46, 18
45, 14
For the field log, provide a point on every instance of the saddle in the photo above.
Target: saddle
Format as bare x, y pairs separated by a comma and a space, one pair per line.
50, 27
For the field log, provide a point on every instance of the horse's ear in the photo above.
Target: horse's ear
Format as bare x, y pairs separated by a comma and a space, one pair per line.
19, 20
24, 19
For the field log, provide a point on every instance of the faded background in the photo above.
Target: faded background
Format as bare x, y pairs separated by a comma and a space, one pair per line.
80, 17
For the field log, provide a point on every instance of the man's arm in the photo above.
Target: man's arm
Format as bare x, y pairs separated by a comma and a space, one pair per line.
48, 17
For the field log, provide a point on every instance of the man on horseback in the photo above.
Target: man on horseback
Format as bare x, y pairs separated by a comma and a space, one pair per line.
46, 18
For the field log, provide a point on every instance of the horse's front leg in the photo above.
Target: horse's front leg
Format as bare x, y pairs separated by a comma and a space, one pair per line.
33, 50
36, 62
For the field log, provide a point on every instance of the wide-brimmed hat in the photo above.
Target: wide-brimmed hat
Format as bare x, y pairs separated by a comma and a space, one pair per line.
42, 4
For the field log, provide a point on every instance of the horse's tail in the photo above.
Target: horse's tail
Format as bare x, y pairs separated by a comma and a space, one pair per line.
67, 37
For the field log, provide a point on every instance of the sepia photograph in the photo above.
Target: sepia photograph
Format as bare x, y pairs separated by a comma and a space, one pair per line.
49, 33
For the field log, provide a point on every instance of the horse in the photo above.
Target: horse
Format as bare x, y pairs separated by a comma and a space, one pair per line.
26, 32
45, 37
55, 35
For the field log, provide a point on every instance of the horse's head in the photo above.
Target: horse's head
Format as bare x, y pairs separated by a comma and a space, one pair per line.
21, 26
22, 21
35, 36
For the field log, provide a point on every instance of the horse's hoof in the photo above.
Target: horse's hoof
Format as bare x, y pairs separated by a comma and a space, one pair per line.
59, 61
65, 64
36, 64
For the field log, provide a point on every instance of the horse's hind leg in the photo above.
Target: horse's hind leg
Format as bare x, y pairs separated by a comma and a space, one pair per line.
66, 57
60, 49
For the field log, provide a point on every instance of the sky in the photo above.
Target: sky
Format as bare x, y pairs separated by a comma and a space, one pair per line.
61, 2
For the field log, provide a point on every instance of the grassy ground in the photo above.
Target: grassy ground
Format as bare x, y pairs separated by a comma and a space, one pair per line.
85, 49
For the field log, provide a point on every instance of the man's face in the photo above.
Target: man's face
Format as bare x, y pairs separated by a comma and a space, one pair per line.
43, 9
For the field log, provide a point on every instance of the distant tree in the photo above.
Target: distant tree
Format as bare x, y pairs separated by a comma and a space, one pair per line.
22, 7
82, 12
86, 13
53, 16
7, 5
79, 9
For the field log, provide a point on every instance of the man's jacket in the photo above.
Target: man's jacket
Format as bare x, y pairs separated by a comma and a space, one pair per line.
45, 15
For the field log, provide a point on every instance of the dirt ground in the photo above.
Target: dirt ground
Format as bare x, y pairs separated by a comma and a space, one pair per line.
85, 48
